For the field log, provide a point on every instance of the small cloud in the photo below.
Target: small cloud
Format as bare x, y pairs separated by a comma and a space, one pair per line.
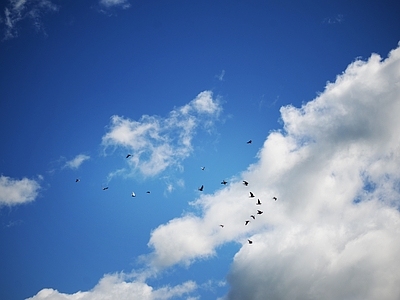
334, 20
124, 4
220, 77
76, 162
19, 10
14, 191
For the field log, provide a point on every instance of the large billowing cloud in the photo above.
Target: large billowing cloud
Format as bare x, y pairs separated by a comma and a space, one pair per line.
17, 191
333, 232
18, 10
156, 143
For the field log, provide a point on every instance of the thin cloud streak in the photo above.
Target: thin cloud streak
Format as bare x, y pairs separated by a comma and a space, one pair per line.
157, 143
76, 162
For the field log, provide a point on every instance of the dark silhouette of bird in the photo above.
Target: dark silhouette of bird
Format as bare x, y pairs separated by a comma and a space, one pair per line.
275, 198
251, 195
203, 168
250, 242
249, 141
245, 183
259, 212
201, 188
222, 226
253, 217
77, 180
224, 182
247, 222
148, 192
258, 202
133, 194
129, 155
105, 188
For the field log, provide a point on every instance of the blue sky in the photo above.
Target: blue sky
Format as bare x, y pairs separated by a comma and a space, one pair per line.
182, 85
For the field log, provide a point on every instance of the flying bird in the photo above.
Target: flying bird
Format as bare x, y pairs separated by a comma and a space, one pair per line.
249, 141
253, 217
133, 194
258, 202
222, 226
259, 212
251, 195
203, 168
105, 188
148, 192
129, 155
275, 198
245, 183
250, 241
247, 222
224, 182
77, 180
201, 188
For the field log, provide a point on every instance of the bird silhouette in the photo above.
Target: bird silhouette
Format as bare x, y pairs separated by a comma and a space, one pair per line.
133, 194
259, 212
253, 217
129, 155
250, 242
148, 192
201, 188
249, 141
203, 168
247, 222
224, 182
77, 180
251, 195
222, 226
258, 202
245, 183
105, 188
275, 198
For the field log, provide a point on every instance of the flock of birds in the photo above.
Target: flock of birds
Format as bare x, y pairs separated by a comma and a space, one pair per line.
201, 188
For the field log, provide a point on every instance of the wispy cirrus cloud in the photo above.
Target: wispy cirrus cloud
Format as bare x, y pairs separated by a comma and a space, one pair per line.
76, 162
124, 4
19, 10
156, 143
17, 191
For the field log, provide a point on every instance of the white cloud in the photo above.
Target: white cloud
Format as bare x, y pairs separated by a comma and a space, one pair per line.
76, 162
334, 232
117, 286
111, 3
156, 143
18, 10
15, 191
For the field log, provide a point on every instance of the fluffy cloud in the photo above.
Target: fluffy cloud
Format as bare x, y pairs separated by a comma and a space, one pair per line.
156, 143
18, 10
334, 232
76, 162
14, 191
118, 287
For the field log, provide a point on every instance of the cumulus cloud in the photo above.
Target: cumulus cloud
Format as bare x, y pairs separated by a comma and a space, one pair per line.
118, 286
15, 191
115, 3
334, 232
76, 162
156, 143
18, 10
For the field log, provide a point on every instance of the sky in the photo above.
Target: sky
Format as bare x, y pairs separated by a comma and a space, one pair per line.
115, 112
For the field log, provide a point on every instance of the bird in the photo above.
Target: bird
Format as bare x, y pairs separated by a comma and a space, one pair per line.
250, 241
251, 195
148, 192
201, 188
133, 194
245, 183
258, 202
222, 226
77, 180
129, 155
275, 198
203, 168
224, 182
247, 222
253, 217
249, 141
259, 212
105, 188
